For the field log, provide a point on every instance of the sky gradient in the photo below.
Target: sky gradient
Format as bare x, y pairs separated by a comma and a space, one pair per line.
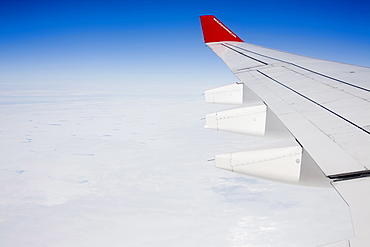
118, 42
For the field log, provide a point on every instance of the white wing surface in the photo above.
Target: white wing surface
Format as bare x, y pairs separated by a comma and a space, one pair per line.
319, 110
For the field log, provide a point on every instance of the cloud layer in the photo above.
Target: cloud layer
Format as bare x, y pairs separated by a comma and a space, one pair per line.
128, 167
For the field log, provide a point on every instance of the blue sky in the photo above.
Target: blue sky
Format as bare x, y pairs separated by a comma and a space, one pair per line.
117, 42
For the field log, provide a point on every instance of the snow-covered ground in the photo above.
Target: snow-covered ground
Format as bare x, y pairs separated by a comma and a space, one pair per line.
127, 166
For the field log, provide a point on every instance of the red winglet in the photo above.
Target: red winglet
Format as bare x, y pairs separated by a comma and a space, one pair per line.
215, 31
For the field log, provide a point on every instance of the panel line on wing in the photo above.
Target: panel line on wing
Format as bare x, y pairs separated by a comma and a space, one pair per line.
316, 103
241, 53
293, 64
350, 175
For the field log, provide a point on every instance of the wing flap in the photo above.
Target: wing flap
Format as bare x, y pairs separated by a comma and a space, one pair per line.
356, 193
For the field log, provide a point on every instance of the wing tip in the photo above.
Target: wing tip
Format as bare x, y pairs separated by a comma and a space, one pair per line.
215, 31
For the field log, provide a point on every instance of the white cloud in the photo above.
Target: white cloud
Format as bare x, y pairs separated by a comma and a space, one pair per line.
126, 168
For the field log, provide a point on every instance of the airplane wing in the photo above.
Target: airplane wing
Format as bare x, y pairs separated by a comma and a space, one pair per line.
318, 110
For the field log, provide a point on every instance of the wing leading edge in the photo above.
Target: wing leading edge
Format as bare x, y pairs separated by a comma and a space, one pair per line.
320, 111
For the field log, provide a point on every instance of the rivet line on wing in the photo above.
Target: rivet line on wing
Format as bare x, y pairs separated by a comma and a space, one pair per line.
241, 53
